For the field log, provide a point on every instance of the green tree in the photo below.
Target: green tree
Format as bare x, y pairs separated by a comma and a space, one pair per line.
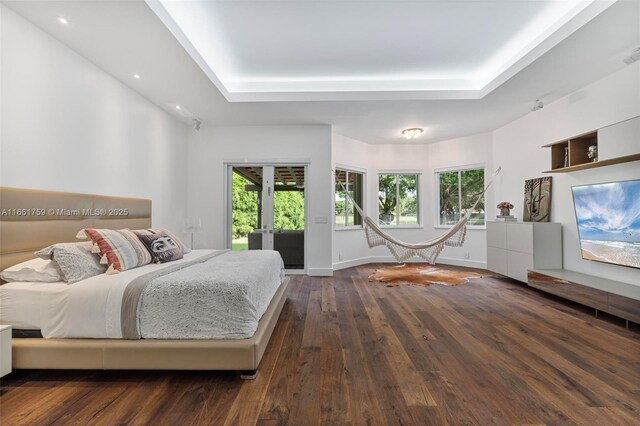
387, 198
471, 183
387, 195
288, 210
245, 207
449, 197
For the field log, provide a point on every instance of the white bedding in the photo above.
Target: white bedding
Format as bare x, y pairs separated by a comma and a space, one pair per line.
91, 308
29, 305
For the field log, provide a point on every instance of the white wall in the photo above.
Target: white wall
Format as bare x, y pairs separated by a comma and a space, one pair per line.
68, 126
517, 148
211, 147
350, 246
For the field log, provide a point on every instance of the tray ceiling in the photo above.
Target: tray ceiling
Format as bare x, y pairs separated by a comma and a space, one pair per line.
363, 50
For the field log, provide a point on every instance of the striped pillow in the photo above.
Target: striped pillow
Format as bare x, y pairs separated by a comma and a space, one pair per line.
115, 249
144, 257
170, 234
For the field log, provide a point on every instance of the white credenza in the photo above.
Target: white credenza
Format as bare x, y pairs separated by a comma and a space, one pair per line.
515, 247
5, 350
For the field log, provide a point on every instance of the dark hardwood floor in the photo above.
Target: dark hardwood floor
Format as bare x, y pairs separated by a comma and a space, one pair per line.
347, 351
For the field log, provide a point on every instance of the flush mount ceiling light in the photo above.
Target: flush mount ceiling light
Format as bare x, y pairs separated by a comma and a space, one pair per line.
177, 106
136, 76
62, 20
412, 133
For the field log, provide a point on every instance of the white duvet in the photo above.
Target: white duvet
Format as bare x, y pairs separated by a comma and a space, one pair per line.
221, 298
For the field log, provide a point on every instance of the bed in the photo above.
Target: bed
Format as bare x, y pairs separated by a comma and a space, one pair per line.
87, 325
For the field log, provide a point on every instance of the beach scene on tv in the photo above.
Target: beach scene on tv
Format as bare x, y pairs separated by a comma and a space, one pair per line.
608, 218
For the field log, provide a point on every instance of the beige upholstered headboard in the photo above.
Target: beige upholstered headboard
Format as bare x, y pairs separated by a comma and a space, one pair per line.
32, 219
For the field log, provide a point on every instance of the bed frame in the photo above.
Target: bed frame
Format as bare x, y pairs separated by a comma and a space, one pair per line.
33, 219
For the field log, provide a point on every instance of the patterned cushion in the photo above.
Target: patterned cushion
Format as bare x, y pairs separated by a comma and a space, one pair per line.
144, 257
75, 260
114, 248
162, 247
184, 248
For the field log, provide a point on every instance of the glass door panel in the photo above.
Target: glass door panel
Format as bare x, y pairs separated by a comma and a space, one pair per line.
268, 211
289, 215
249, 219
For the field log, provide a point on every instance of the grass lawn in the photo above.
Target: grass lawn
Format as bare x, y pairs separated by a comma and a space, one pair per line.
240, 244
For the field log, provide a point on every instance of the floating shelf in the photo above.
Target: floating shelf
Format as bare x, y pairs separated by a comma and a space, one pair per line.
571, 155
593, 165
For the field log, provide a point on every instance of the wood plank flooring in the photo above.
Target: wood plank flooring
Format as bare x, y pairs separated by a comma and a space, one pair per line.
347, 351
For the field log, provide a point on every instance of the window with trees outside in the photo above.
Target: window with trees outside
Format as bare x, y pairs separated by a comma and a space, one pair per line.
345, 214
458, 191
398, 199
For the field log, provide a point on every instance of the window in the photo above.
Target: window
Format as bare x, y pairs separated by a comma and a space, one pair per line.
398, 199
458, 191
345, 214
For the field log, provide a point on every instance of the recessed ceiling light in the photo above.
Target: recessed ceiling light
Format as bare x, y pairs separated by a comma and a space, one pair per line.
136, 76
412, 133
177, 106
62, 20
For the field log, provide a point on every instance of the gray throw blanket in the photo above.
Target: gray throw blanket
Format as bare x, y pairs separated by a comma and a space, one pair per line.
218, 296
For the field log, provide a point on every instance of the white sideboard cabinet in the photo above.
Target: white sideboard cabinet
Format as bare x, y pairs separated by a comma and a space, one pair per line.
515, 247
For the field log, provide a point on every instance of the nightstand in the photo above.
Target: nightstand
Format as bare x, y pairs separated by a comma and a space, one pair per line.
5, 350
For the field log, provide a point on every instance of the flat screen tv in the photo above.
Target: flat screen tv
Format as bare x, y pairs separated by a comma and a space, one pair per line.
608, 216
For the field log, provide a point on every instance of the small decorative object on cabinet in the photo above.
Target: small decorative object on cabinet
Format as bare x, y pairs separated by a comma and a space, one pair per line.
537, 200
513, 248
505, 208
5, 350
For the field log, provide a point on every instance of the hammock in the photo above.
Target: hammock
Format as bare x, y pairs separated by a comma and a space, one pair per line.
428, 250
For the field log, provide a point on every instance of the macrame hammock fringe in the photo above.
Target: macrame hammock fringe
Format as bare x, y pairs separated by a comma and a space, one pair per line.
427, 250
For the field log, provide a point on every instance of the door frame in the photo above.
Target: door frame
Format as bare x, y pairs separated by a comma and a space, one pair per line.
226, 226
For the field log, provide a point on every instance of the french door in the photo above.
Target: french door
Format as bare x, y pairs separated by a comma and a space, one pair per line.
267, 206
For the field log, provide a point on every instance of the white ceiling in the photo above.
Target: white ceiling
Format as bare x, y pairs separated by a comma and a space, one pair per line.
363, 49
126, 37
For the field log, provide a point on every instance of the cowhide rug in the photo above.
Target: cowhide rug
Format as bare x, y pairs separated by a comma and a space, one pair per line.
424, 275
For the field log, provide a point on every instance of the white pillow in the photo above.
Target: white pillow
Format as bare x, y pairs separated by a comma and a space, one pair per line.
34, 270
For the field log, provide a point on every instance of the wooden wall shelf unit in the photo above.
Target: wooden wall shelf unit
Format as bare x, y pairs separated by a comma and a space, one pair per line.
571, 154
592, 165
614, 297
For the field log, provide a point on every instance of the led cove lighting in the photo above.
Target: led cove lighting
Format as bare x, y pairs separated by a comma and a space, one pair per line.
553, 21
136, 76
412, 133
62, 20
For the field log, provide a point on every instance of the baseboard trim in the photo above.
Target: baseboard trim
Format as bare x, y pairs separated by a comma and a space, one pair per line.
463, 262
390, 259
320, 272
351, 263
